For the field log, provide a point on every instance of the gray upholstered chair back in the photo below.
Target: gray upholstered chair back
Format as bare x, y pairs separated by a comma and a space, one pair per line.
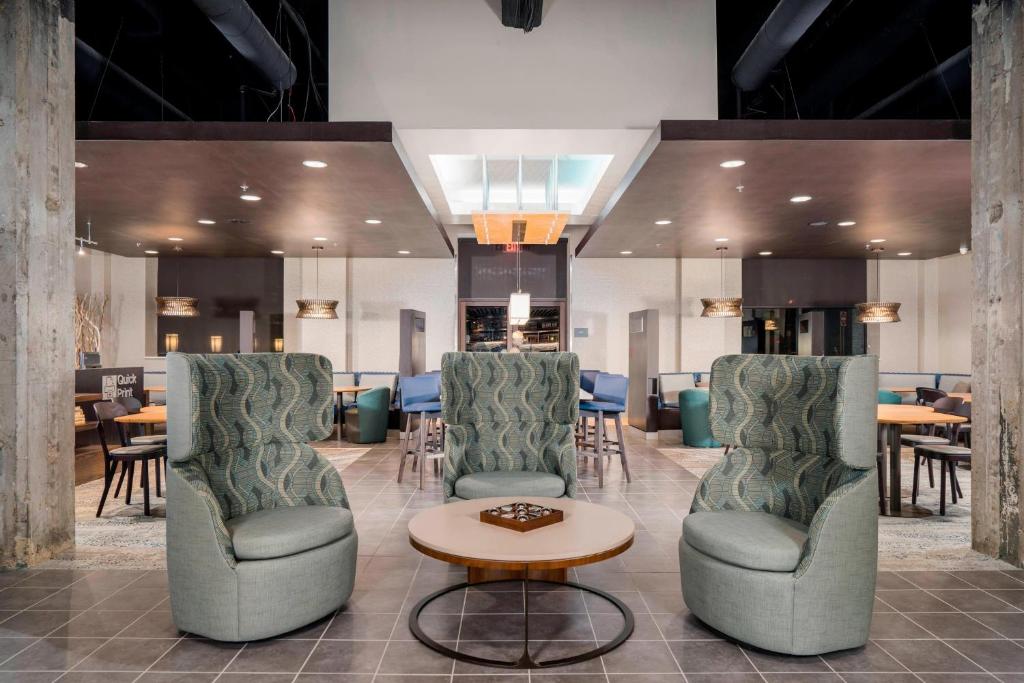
494, 388
812, 405
220, 402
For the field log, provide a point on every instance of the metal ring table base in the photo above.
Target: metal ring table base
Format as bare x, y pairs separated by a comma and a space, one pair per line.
526, 660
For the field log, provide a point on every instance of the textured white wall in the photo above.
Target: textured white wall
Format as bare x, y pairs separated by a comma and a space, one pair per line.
702, 340
380, 288
123, 281
898, 349
326, 337
955, 280
605, 291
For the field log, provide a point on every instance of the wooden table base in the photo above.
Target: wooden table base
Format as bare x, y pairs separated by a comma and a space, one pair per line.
480, 575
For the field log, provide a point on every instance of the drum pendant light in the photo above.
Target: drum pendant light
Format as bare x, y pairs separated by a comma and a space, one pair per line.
177, 306
317, 308
878, 311
722, 306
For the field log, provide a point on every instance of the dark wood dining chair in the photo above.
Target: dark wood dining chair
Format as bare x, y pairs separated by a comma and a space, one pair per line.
125, 455
926, 396
948, 454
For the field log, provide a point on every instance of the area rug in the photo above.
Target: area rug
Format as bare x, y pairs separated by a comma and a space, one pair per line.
124, 538
933, 542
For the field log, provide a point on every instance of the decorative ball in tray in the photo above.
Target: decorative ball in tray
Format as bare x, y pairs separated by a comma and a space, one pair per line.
521, 516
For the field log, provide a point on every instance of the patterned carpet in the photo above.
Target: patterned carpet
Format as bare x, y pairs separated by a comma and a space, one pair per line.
931, 542
124, 537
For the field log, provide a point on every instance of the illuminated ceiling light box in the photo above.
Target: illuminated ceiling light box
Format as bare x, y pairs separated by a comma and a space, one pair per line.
518, 228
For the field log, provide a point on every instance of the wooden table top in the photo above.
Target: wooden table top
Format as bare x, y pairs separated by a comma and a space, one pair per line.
350, 390
159, 388
156, 415
454, 533
900, 390
88, 397
914, 415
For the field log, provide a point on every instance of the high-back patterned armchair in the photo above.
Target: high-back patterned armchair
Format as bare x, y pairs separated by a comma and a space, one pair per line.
510, 419
780, 548
260, 539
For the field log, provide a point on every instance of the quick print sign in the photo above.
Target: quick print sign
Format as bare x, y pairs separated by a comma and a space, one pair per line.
118, 386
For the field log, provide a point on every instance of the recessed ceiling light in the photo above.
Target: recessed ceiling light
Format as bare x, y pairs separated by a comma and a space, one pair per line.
319, 239
625, 253
403, 252
314, 163
764, 253
905, 253
175, 239
721, 239
81, 164
846, 224
818, 224
877, 240
800, 198
662, 222
206, 221
152, 251
276, 252
250, 197
373, 221
733, 163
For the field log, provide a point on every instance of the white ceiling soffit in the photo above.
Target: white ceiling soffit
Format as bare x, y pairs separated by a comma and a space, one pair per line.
622, 145
595, 64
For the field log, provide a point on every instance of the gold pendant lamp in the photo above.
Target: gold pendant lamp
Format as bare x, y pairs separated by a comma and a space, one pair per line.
177, 306
878, 311
317, 308
722, 306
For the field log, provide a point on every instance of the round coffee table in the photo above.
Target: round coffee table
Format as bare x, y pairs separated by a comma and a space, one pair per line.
454, 533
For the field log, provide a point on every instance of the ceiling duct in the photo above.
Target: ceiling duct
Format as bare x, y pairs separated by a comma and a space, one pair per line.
244, 30
524, 14
781, 30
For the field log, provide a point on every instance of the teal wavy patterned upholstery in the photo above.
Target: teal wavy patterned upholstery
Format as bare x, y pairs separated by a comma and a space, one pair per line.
253, 399
194, 475
510, 412
788, 484
805, 404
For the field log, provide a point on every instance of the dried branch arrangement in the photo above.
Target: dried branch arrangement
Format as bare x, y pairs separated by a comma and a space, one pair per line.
89, 312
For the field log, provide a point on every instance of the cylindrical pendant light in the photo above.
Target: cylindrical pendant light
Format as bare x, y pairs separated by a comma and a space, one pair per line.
317, 308
878, 311
177, 306
722, 306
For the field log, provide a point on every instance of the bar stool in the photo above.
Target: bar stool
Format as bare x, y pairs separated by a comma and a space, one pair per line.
609, 400
587, 378
421, 396
126, 455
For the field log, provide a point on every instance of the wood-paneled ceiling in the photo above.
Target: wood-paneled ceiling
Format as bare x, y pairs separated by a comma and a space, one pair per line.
145, 183
908, 183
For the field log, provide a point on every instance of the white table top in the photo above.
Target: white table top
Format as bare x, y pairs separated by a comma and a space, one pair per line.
587, 529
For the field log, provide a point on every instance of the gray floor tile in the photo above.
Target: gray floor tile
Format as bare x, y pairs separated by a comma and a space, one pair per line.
360, 626
272, 656
767, 662
52, 654
991, 655
973, 601
194, 654
867, 659
929, 655
710, 657
96, 623
411, 657
126, 654
34, 624
952, 625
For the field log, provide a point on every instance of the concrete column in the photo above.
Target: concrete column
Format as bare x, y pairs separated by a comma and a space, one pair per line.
997, 96
37, 199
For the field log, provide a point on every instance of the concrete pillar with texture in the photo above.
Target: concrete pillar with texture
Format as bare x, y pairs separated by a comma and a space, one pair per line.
37, 200
997, 122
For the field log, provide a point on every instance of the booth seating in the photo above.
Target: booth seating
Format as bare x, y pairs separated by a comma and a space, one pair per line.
260, 537
379, 379
663, 406
367, 420
420, 399
609, 400
694, 407
780, 549
510, 420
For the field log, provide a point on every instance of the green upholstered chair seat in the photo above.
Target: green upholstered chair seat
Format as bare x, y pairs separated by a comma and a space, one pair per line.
499, 483
283, 531
755, 540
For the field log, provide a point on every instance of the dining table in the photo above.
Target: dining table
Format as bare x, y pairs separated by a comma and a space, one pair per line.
891, 420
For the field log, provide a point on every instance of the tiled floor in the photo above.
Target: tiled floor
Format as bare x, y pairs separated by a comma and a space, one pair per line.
114, 625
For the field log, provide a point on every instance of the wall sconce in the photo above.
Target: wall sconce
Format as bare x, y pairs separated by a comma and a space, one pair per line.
170, 342
216, 343
278, 345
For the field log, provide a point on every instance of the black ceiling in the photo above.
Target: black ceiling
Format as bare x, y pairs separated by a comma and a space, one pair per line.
854, 56
171, 48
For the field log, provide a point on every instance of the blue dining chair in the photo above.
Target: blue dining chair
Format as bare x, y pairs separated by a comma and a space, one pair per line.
609, 401
420, 397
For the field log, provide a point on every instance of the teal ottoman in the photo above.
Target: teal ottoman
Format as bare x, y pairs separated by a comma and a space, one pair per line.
694, 409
